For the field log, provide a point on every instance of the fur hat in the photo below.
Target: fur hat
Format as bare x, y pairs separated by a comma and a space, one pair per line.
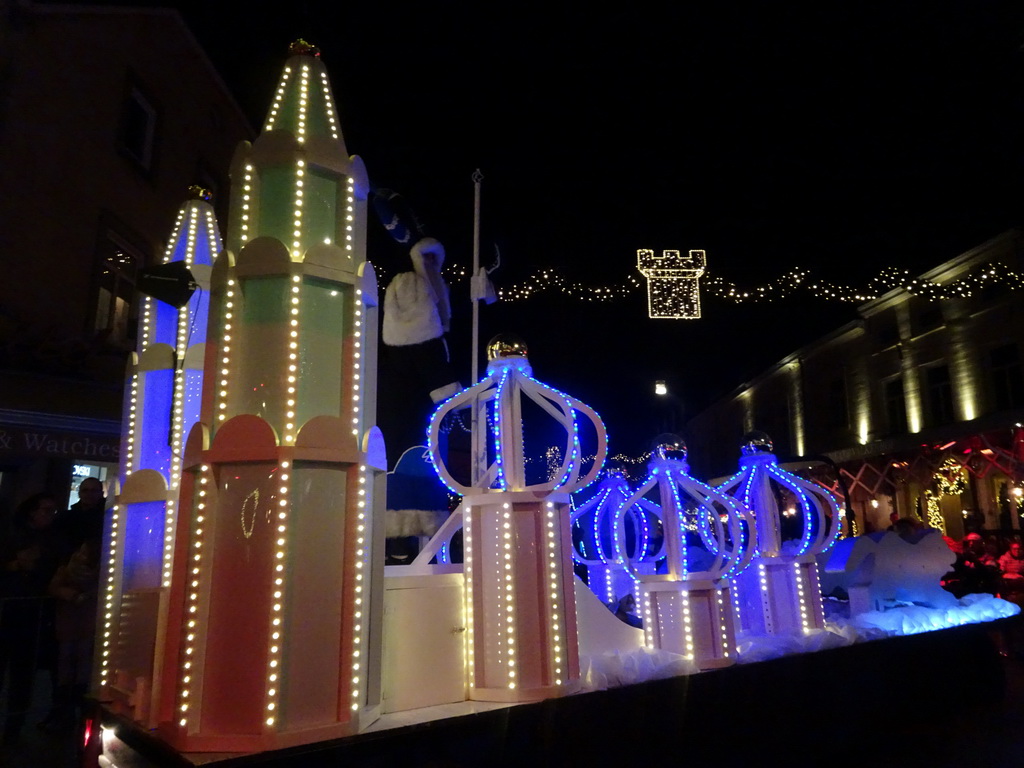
423, 247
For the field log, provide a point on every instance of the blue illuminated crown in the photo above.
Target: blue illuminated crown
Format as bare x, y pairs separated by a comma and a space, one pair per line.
498, 400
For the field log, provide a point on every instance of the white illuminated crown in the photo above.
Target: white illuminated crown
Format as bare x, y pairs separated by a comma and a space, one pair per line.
759, 485
508, 379
693, 513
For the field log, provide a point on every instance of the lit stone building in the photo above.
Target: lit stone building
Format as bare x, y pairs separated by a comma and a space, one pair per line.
919, 402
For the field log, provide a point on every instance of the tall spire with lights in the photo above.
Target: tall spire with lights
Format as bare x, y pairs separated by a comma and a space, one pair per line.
164, 385
303, 104
272, 606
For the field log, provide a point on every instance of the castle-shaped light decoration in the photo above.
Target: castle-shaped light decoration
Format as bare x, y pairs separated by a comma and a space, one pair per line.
673, 290
794, 520
601, 549
519, 582
162, 399
274, 595
689, 609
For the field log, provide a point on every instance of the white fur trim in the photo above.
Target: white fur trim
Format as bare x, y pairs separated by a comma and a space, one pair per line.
410, 313
431, 272
443, 393
424, 246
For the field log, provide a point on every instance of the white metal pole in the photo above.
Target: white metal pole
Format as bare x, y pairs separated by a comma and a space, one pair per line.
478, 441
477, 178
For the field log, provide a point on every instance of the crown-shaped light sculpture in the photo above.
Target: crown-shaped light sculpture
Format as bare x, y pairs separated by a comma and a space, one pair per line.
520, 606
599, 547
509, 377
794, 520
689, 609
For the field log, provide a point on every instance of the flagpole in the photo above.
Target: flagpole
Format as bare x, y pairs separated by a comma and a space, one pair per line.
478, 463
477, 178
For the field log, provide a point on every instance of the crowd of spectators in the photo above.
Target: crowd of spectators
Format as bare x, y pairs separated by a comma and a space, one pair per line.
992, 564
49, 574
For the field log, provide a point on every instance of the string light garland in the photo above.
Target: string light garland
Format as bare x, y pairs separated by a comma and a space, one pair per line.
949, 480
794, 281
552, 457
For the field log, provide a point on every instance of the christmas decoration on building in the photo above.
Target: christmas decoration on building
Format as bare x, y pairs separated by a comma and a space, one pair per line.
949, 480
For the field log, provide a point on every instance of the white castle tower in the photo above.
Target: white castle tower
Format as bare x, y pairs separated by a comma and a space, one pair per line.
673, 290
162, 401
273, 631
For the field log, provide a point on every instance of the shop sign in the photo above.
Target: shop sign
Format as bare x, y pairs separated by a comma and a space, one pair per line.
64, 445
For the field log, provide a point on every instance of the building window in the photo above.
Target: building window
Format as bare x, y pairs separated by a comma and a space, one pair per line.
940, 395
118, 267
138, 128
895, 406
1005, 377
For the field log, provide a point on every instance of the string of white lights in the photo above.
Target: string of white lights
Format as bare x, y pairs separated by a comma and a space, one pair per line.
551, 280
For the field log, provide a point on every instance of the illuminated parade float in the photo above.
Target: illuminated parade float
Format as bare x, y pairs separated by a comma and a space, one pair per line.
794, 521
246, 606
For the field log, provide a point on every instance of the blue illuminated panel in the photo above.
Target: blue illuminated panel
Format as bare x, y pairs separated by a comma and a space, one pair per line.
155, 429
143, 544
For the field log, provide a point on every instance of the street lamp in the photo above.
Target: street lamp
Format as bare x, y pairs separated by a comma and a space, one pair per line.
670, 407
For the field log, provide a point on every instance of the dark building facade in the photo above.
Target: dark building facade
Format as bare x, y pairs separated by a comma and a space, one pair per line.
919, 402
107, 115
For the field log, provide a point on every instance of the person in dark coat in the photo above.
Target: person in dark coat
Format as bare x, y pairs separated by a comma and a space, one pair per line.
84, 520
75, 587
28, 558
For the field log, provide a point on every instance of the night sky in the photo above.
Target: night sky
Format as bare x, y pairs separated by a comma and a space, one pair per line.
835, 137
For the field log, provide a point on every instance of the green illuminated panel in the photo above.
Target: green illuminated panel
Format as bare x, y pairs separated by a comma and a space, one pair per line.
262, 350
320, 207
316, 115
277, 202
322, 327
